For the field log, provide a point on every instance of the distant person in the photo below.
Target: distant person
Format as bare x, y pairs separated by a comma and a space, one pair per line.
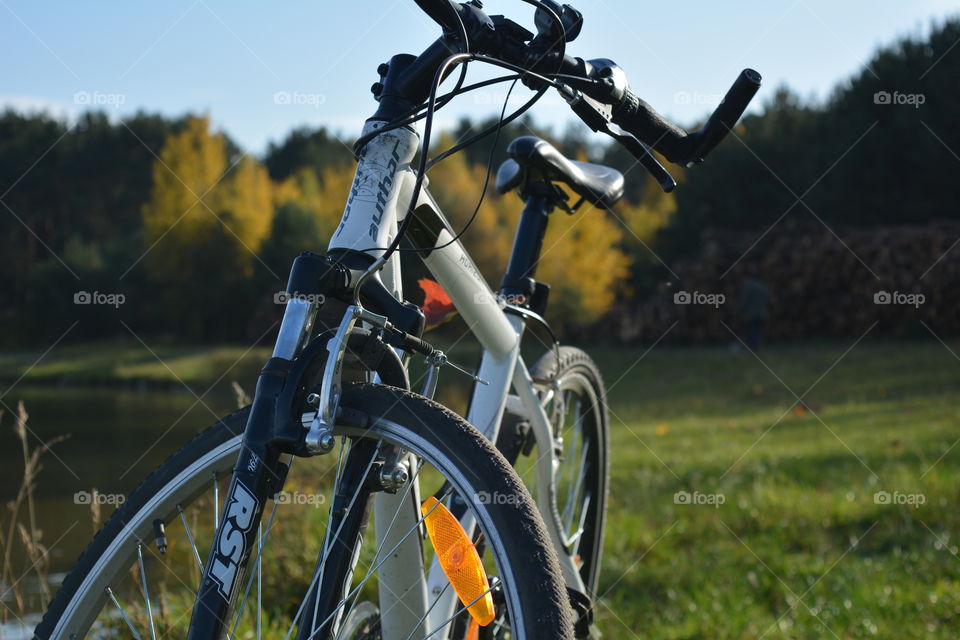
754, 307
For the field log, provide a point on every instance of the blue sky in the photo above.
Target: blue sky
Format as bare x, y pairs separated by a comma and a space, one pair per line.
233, 59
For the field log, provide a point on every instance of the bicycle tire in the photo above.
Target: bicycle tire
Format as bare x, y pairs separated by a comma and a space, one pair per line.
534, 592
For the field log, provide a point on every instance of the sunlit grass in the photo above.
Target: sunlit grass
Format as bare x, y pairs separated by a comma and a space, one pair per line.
799, 548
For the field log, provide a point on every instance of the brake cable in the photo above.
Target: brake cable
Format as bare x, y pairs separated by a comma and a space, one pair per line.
428, 129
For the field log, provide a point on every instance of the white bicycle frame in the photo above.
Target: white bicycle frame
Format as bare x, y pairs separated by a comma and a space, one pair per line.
380, 195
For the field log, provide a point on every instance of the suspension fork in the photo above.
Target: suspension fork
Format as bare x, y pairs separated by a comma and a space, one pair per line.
272, 430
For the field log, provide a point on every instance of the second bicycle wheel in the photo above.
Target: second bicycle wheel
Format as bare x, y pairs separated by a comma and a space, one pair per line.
572, 394
139, 576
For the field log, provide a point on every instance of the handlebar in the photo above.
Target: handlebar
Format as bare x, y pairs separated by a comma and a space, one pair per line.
597, 89
676, 145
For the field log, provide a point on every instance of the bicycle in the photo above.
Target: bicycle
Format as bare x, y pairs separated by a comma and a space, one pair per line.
461, 548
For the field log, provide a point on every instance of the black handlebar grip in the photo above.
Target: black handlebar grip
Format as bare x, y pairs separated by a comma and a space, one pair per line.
640, 119
727, 114
676, 145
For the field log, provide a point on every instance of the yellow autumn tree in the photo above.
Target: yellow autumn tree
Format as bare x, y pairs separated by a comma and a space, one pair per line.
195, 191
204, 224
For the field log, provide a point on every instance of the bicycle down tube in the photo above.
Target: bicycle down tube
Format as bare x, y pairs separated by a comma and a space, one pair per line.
378, 200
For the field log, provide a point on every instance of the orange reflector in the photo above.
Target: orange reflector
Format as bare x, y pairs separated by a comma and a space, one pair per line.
473, 633
459, 559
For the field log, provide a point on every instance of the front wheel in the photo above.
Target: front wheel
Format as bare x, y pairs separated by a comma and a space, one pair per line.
139, 576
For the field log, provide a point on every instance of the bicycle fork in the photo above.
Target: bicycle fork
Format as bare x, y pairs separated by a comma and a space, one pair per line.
272, 430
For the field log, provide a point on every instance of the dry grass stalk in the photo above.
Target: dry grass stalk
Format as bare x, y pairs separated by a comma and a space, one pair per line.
243, 399
29, 534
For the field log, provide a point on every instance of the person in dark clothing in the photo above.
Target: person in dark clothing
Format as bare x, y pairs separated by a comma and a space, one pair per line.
754, 306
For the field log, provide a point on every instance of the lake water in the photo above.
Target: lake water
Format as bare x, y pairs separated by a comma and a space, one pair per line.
116, 438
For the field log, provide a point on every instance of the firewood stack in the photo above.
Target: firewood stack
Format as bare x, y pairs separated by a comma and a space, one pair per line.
822, 283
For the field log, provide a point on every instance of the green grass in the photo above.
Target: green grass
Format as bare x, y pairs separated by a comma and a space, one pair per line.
799, 548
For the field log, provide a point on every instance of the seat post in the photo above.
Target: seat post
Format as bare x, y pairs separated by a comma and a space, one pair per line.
518, 283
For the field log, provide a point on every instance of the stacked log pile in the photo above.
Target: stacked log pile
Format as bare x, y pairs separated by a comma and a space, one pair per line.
823, 283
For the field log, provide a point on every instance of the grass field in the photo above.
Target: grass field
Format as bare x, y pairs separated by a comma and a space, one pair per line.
831, 518
802, 545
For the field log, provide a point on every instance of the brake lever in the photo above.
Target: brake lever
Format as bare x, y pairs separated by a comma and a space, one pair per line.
599, 117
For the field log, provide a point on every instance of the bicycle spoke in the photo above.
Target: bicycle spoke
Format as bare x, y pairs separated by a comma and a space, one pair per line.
580, 527
443, 624
571, 471
146, 591
328, 548
123, 614
429, 609
393, 520
364, 581
326, 539
574, 495
186, 527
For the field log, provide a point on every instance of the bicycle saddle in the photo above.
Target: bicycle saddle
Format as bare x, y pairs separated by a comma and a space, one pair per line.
596, 183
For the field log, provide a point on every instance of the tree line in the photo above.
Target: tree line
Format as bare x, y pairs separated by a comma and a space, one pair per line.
197, 235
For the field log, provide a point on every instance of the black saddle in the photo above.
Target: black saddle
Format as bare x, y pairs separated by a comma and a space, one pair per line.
537, 159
